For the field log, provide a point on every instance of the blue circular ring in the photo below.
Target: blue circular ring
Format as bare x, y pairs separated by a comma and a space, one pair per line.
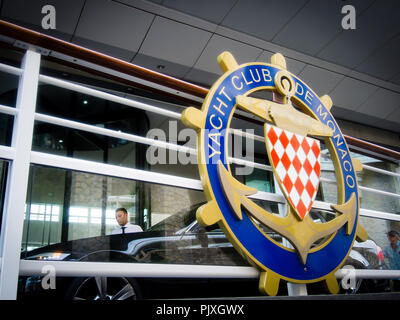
271, 256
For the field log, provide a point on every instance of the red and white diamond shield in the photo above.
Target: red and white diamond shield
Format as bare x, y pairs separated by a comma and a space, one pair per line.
296, 160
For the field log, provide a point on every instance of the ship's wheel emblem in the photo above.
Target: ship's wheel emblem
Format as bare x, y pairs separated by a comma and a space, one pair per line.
294, 124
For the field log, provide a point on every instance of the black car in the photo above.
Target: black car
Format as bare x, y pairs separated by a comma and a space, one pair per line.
178, 239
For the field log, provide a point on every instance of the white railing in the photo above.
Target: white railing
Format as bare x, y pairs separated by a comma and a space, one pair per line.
142, 270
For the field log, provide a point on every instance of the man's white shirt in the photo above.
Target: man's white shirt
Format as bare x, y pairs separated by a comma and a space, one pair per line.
129, 228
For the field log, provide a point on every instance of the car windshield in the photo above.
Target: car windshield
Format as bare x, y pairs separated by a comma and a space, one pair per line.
177, 221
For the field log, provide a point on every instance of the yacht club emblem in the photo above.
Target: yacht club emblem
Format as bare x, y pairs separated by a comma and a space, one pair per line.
295, 122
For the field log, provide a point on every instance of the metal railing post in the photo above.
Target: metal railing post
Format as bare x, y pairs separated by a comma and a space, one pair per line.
17, 182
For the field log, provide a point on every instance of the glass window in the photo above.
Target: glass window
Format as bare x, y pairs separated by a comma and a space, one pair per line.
9, 82
6, 128
366, 178
74, 213
66, 205
378, 181
3, 181
73, 209
377, 249
59, 140
8, 97
79, 144
262, 180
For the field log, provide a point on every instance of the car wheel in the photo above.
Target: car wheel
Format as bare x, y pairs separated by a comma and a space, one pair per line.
103, 288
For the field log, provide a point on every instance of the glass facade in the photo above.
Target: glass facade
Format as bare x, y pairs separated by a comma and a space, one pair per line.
64, 205
60, 140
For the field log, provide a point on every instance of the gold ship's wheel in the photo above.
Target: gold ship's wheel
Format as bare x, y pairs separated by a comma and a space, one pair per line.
228, 201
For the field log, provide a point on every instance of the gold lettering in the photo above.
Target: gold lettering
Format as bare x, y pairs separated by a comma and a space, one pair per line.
233, 83
214, 137
267, 75
245, 80
214, 152
348, 166
213, 125
309, 97
221, 103
252, 75
298, 85
344, 153
224, 93
337, 137
330, 122
350, 180
323, 115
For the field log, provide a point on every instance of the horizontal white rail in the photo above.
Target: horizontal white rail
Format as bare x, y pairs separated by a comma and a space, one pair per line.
112, 133
7, 153
9, 69
367, 167
8, 110
372, 190
389, 173
142, 270
385, 193
63, 162
113, 170
245, 134
369, 273
379, 215
147, 270
168, 145
107, 96
138, 139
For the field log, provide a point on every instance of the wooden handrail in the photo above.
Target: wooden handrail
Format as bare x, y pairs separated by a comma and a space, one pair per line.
50, 43
352, 141
44, 41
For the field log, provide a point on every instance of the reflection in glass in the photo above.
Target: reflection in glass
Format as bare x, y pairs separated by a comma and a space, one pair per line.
366, 178
65, 205
377, 234
59, 140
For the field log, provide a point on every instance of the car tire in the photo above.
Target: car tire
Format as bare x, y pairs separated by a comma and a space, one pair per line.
103, 288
